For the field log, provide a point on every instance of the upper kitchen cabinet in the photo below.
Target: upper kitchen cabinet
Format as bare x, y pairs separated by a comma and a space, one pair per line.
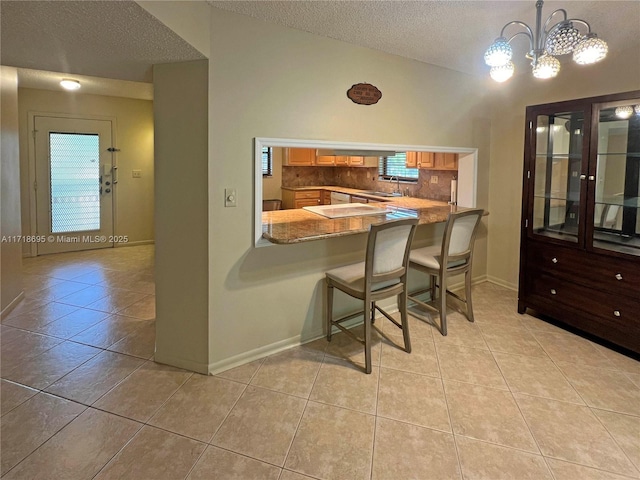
432, 160
580, 240
300, 157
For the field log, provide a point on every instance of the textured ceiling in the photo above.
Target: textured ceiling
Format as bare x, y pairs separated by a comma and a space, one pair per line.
451, 34
112, 39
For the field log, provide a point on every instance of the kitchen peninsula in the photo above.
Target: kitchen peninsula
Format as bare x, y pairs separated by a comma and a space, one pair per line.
300, 225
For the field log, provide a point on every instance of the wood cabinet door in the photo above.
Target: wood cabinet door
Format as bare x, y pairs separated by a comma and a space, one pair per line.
325, 160
300, 156
326, 197
412, 160
426, 160
356, 161
342, 161
446, 161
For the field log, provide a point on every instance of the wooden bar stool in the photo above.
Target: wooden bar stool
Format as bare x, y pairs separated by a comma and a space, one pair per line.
383, 274
453, 257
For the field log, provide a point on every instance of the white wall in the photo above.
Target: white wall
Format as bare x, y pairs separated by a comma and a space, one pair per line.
270, 81
620, 72
134, 138
10, 252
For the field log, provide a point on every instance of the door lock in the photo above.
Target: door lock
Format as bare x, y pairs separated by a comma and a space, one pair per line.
108, 190
107, 183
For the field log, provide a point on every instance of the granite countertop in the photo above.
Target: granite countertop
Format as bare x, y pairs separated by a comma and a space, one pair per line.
299, 225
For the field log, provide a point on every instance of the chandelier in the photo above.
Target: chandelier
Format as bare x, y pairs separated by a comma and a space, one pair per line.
548, 42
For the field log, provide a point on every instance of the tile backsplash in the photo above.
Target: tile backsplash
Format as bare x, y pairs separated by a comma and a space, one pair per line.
367, 179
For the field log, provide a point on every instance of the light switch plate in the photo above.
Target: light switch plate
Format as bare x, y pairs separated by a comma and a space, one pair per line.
136, 173
434, 179
229, 197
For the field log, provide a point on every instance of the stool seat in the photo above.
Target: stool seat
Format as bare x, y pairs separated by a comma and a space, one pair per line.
429, 257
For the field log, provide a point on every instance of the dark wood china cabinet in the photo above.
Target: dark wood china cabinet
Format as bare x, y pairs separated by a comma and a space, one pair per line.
580, 238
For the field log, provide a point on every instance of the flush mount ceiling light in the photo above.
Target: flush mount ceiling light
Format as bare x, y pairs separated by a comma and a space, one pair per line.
624, 112
548, 41
70, 84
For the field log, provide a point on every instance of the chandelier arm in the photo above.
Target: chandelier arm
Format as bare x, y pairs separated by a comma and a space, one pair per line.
586, 24
528, 32
546, 24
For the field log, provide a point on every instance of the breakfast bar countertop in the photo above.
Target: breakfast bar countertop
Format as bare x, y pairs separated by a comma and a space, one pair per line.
299, 225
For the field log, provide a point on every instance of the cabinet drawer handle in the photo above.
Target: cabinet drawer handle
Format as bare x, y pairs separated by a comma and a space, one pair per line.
616, 313
553, 291
583, 177
554, 260
592, 177
618, 276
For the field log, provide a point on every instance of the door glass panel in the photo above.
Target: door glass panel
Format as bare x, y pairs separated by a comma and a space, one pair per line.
75, 182
616, 219
557, 175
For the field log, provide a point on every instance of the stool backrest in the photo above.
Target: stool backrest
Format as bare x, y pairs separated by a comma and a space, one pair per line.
459, 237
388, 250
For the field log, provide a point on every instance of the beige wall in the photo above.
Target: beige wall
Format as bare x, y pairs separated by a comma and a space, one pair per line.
620, 72
133, 136
10, 253
181, 142
271, 81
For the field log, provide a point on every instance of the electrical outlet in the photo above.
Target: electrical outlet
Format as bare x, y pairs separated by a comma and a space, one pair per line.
136, 173
434, 179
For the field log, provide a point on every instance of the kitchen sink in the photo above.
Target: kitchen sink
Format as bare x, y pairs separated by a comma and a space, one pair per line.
382, 194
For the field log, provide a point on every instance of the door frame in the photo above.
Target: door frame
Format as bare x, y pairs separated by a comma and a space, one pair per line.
33, 226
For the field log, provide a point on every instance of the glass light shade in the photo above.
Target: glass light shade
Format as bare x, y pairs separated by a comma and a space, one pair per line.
503, 72
624, 112
70, 84
499, 53
546, 67
637, 109
562, 39
591, 49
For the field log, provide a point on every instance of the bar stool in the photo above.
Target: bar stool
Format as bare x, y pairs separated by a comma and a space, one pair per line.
453, 257
383, 274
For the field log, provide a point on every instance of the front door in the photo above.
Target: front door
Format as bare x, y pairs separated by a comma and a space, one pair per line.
74, 184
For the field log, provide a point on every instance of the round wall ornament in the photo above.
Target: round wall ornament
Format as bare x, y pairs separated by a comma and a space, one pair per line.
364, 94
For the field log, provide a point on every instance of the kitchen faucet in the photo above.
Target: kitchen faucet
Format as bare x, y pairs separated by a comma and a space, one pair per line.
397, 190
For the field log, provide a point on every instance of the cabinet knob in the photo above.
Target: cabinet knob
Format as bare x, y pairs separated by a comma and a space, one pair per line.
553, 291
554, 260
616, 313
592, 177
618, 276
583, 177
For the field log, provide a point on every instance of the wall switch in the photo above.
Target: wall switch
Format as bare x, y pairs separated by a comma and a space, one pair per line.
136, 173
434, 179
229, 197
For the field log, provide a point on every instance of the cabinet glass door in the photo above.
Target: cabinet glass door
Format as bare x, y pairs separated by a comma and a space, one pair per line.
616, 219
558, 163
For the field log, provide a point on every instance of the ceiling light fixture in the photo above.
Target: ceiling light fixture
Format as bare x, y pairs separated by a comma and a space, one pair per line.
548, 41
624, 112
70, 84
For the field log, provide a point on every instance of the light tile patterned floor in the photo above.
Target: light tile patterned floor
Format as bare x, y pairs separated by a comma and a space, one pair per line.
507, 397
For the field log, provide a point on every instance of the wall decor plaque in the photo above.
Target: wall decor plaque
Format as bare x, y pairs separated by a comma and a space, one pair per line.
364, 94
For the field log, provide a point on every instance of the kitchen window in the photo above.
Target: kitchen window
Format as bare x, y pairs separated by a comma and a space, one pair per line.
395, 167
267, 162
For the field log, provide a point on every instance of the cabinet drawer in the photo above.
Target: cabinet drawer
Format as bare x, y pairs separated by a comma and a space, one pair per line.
309, 202
602, 304
609, 274
307, 194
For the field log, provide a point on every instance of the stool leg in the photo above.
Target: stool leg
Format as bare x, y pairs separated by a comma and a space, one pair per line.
329, 294
404, 320
467, 293
442, 304
367, 336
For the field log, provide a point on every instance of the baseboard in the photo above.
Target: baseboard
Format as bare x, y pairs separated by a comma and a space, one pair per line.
14, 303
502, 283
135, 244
181, 363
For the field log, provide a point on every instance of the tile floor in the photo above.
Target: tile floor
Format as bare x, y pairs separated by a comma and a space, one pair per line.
508, 397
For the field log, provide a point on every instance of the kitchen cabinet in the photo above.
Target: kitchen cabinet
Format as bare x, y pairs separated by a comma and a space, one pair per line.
326, 197
420, 160
580, 232
356, 161
342, 161
301, 198
325, 160
299, 157
445, 161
